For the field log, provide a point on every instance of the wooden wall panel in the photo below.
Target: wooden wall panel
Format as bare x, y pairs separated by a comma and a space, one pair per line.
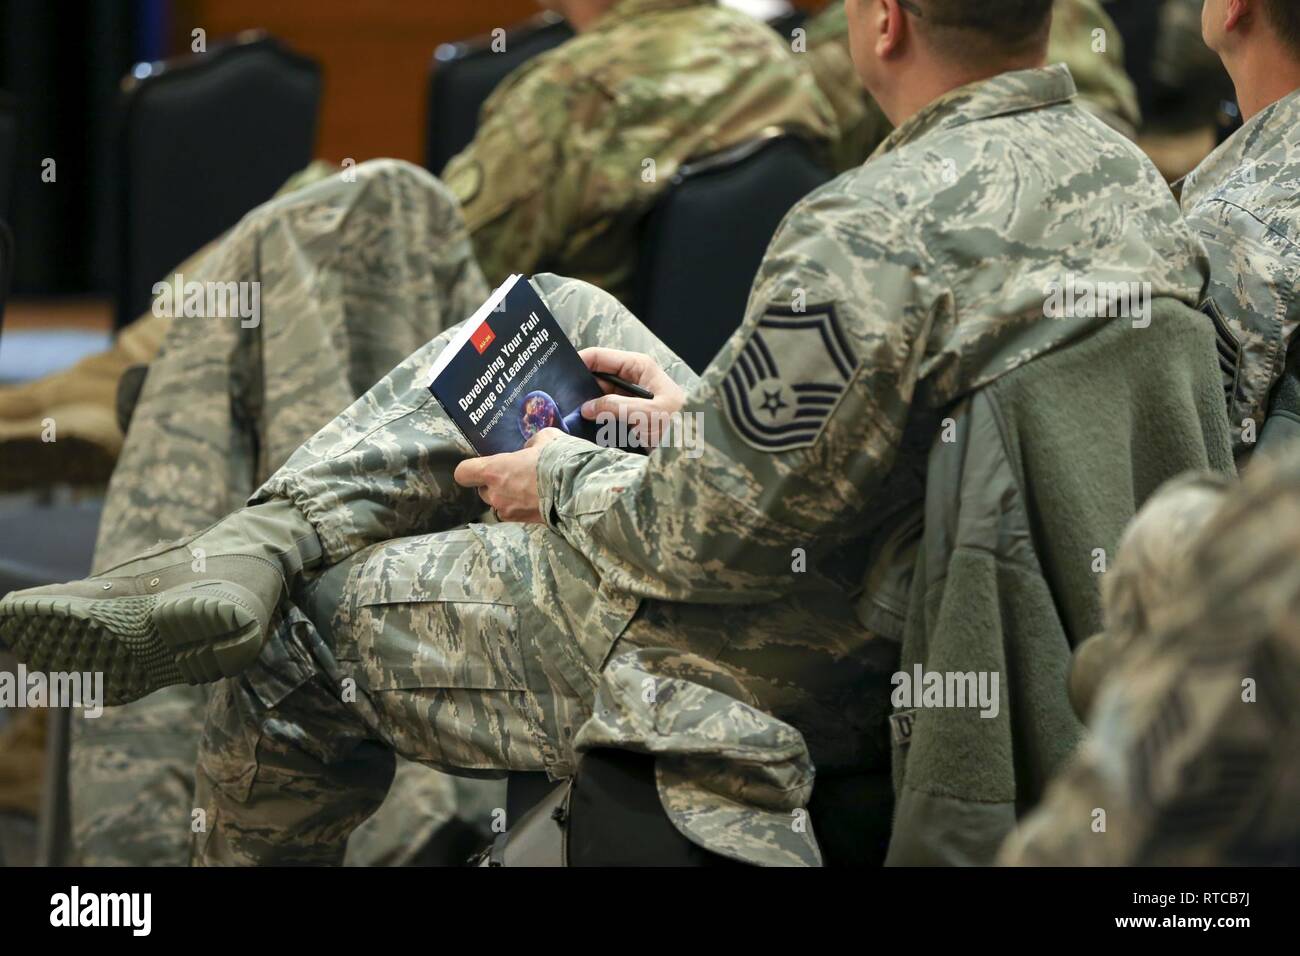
375, 55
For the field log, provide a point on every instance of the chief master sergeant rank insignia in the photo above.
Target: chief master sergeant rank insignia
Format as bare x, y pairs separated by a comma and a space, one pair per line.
788, 378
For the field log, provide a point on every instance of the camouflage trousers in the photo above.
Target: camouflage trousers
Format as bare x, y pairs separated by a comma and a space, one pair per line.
432, 634
475, 646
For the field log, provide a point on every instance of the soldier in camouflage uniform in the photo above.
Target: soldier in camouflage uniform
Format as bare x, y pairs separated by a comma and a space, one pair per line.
478, 644
574, 147
572, 151
1096, 63
646, 81
1193, 757
1244, 202
223, 407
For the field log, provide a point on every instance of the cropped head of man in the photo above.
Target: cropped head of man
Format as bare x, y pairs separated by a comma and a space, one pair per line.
581, 14
1259, 43
910, 52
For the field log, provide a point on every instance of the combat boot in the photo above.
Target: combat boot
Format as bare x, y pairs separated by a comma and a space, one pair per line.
189, 612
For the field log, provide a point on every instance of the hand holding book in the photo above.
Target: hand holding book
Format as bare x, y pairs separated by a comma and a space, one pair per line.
512, 381
644, 416
507, 483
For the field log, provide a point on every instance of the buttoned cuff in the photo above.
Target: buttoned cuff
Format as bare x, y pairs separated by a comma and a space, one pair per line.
558, 456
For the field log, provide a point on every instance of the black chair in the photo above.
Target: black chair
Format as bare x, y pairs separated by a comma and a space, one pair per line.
704, 240
614, 817
6, 268
1138, 22
463, 75
203, 140
787, 23
609, 815
8, 151
1227, 121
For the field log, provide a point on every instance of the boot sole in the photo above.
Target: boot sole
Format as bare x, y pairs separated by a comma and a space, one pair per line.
194, 634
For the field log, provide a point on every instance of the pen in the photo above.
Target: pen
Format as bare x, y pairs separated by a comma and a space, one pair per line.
634, 390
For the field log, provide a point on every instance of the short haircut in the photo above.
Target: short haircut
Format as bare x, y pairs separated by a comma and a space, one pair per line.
982, 30
1284, 15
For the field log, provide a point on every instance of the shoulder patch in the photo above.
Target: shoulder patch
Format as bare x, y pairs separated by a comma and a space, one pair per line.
466, 182
1229, 348
788, 378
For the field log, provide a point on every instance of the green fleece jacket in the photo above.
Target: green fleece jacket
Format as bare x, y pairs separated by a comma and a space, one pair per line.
1283, 424
1026, 501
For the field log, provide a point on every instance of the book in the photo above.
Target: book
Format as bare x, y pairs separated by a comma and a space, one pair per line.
511, 371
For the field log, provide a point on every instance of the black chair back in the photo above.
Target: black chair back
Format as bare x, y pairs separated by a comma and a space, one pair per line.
6, 268
787, 23
705, 238
204, 139
463, 75
8, 152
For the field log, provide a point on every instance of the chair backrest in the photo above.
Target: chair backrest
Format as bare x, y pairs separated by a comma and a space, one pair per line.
463, 75
8, 152
787, 23
6, 268
705, 238
203, 140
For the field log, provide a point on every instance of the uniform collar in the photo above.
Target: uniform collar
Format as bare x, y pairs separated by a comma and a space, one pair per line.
1269, 127
1002, 94
625, 9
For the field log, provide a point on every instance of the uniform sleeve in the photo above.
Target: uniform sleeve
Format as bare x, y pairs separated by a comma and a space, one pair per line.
520, 181
1253, 301
785, 438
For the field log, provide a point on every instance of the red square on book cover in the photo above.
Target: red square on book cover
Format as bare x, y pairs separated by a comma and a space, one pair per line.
482, 337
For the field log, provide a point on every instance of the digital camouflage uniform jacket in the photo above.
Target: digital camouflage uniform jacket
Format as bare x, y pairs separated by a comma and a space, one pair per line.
885, 296
574, 147
1244, 203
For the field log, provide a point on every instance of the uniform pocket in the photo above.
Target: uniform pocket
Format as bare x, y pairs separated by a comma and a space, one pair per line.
432, 612
228, 752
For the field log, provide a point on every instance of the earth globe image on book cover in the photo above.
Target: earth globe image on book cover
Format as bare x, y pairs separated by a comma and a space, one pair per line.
540, 411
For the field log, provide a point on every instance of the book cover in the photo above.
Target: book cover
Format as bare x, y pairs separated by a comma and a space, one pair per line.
511, 371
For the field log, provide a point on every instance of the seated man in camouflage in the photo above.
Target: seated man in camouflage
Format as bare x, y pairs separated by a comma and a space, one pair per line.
556, 176
478, 646
575, 146
1097, 64
1244, 203
571, 152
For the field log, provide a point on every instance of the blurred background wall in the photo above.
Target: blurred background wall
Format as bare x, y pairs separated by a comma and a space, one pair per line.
63, 61
375, 56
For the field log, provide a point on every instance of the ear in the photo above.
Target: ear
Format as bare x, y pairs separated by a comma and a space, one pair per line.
1236, 13
890, 23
